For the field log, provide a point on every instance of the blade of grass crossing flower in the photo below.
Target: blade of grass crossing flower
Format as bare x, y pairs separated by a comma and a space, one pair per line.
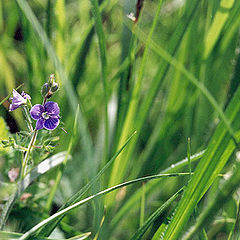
218, 152
61, 169
120, 165
72, 98
106, 191
102, 47
217, 25
46, 231
10, 94
140, 232
133, 201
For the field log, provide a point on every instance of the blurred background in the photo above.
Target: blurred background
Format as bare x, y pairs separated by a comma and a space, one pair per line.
124, 85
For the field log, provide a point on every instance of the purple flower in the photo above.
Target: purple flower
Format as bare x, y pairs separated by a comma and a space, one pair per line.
18, 100
47, 115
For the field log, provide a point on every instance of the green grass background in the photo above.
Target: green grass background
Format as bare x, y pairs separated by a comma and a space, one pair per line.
171, 76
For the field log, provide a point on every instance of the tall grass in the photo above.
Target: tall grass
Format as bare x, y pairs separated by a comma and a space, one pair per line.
132, 94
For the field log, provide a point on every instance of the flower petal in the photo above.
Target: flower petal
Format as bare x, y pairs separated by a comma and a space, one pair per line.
13, 107
40, 123
17, 98
25, 95
52, 108
36, 111
51, 123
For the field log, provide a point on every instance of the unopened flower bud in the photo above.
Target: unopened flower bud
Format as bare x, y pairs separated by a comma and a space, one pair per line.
51, 79
54, 87
45, 89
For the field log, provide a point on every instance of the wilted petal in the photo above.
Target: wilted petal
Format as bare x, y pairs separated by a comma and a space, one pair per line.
52, 108
40, 123
51, 123
36, 111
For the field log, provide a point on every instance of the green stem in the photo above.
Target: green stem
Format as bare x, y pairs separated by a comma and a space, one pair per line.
26, 157
9, 204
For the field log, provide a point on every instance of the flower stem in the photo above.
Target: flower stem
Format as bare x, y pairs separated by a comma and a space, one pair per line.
28, 119
26, 157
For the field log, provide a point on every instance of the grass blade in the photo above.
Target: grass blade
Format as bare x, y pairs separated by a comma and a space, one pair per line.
60, 171
48, 229
140, 232
13, 235
121, 163
223, 195
106, 191
102, 47
217, 25
219, 150
189, 76
133, 201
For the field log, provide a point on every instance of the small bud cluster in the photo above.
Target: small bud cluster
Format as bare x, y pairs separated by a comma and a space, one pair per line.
50, 87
